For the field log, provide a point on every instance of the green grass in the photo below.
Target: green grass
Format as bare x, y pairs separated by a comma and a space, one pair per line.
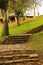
2, 39
24, 27
1, 29
31, 23
37, 42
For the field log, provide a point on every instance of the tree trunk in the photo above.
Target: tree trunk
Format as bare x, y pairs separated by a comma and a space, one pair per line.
34, 11
34, 5
5, 24
18, 20
24, 18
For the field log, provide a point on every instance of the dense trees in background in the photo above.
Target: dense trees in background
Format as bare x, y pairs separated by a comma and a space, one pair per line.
4, 10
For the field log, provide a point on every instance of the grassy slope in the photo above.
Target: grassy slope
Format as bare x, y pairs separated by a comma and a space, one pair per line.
31, 23
24, 27
37, 42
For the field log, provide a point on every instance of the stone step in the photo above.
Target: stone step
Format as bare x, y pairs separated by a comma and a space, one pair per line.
15, 42
21, 35
19, 56
33, 55
17, 39
22, 55
16, 52
18, 61
1, 62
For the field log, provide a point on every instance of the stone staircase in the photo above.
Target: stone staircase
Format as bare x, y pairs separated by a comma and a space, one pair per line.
13, 52
19, 57
17, 39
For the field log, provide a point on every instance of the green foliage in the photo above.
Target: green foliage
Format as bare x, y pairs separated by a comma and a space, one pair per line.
19, 12
19, 6
4, 4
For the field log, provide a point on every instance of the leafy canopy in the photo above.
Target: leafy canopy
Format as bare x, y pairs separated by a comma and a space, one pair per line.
3, 4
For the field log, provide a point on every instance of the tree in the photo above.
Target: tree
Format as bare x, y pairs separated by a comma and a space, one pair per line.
4, 8
19, 7
15, 6
36, 3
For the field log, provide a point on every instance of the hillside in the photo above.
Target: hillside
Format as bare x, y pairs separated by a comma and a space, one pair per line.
29, 24
26, 26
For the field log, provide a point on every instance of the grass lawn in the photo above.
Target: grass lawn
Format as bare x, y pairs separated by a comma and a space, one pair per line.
37, 42
28, 25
